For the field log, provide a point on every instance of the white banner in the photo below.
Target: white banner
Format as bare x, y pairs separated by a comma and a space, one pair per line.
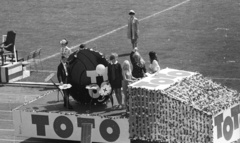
162, 80
69, 127
226, 125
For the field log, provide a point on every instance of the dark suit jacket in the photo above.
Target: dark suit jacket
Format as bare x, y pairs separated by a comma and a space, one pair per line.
61, 75
116, 81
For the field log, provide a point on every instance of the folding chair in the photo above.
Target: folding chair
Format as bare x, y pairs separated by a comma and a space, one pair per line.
8, 46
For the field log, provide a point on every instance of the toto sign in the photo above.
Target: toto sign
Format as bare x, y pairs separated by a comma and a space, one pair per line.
64, 127
227, 125
88, 76
163, 79
70, 127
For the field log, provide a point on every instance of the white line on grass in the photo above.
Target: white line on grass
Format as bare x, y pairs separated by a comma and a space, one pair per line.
9, 130
172, 7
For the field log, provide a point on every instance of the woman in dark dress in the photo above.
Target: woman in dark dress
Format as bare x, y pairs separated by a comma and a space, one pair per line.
139, 69
115, 78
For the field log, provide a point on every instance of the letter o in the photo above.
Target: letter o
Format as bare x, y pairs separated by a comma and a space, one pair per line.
110, 137
228, 122
57, 127
179, 73
94, 94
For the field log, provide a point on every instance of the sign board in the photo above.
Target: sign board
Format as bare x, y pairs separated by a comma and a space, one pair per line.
226, 125
162, 80
69, 127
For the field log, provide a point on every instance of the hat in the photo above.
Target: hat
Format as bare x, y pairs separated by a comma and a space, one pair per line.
63, 42
131, 12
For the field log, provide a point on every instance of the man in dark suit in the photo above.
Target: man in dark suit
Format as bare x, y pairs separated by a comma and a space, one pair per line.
64, 79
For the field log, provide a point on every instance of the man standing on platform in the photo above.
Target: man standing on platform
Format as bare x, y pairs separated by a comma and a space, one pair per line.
62, 72
133, 29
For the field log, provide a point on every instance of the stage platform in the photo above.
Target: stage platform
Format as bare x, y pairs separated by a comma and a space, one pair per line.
46, 117
50, 103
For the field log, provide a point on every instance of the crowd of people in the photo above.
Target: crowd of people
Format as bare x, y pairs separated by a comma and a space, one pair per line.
121, 75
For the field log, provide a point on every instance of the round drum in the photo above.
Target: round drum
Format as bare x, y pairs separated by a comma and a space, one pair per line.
88, 76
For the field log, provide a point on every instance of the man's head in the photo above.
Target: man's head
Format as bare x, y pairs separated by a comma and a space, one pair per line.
82, 46
135, 49
63, 42
131, 12
113, 57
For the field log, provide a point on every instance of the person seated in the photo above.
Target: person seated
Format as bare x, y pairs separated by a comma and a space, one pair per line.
154, 66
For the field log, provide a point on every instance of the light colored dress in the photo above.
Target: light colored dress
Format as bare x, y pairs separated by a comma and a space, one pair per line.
154, 67
127, 79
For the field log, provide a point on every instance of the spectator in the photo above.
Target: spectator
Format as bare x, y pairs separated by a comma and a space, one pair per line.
62, 72
65, 53
63, 79
139, 69
115, 79
127, 78
133, 29
132, 53
81, 47
154, 66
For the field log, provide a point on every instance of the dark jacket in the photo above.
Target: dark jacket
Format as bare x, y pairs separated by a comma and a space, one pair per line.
61, 75
115, 79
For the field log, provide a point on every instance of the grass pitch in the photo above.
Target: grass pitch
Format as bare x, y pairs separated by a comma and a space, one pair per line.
199, 35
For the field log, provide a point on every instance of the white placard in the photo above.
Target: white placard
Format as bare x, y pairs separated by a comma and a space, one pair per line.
162, 80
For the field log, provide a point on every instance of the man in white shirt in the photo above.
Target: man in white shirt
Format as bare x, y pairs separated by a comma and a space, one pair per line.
65, 53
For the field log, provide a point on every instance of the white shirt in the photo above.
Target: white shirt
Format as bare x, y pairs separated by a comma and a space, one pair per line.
66, 51
154, 67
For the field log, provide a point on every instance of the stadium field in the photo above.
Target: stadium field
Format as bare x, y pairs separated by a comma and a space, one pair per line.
192, 35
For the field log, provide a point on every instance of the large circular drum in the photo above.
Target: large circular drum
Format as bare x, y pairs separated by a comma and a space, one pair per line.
88, 76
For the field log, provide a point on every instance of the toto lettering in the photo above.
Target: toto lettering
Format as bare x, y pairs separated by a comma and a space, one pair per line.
226, 126
43, 120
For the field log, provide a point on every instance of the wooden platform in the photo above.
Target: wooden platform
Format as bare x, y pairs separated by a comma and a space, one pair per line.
50, 103
45, 117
